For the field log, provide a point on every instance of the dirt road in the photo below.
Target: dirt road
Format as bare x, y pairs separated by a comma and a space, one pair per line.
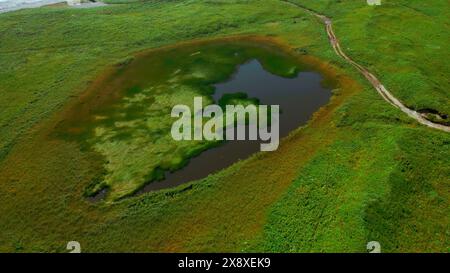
379, 87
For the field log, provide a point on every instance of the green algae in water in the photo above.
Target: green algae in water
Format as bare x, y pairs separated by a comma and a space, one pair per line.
131, 128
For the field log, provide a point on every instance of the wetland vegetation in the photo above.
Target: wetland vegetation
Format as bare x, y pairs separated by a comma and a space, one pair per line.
126, 117
358, 171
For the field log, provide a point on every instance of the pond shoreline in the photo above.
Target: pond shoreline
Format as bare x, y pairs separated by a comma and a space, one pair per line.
309, 62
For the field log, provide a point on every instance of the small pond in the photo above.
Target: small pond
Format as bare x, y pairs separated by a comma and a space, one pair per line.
124, 116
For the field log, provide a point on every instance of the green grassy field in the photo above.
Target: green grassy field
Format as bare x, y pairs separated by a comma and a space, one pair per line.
403, 42
360, 171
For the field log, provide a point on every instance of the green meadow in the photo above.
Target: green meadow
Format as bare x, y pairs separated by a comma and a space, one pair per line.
403, 42
360, 170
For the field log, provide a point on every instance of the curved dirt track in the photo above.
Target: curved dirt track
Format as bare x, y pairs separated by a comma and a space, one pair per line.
379, 87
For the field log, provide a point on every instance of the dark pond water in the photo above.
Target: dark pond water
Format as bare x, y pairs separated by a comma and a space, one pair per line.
299, 97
